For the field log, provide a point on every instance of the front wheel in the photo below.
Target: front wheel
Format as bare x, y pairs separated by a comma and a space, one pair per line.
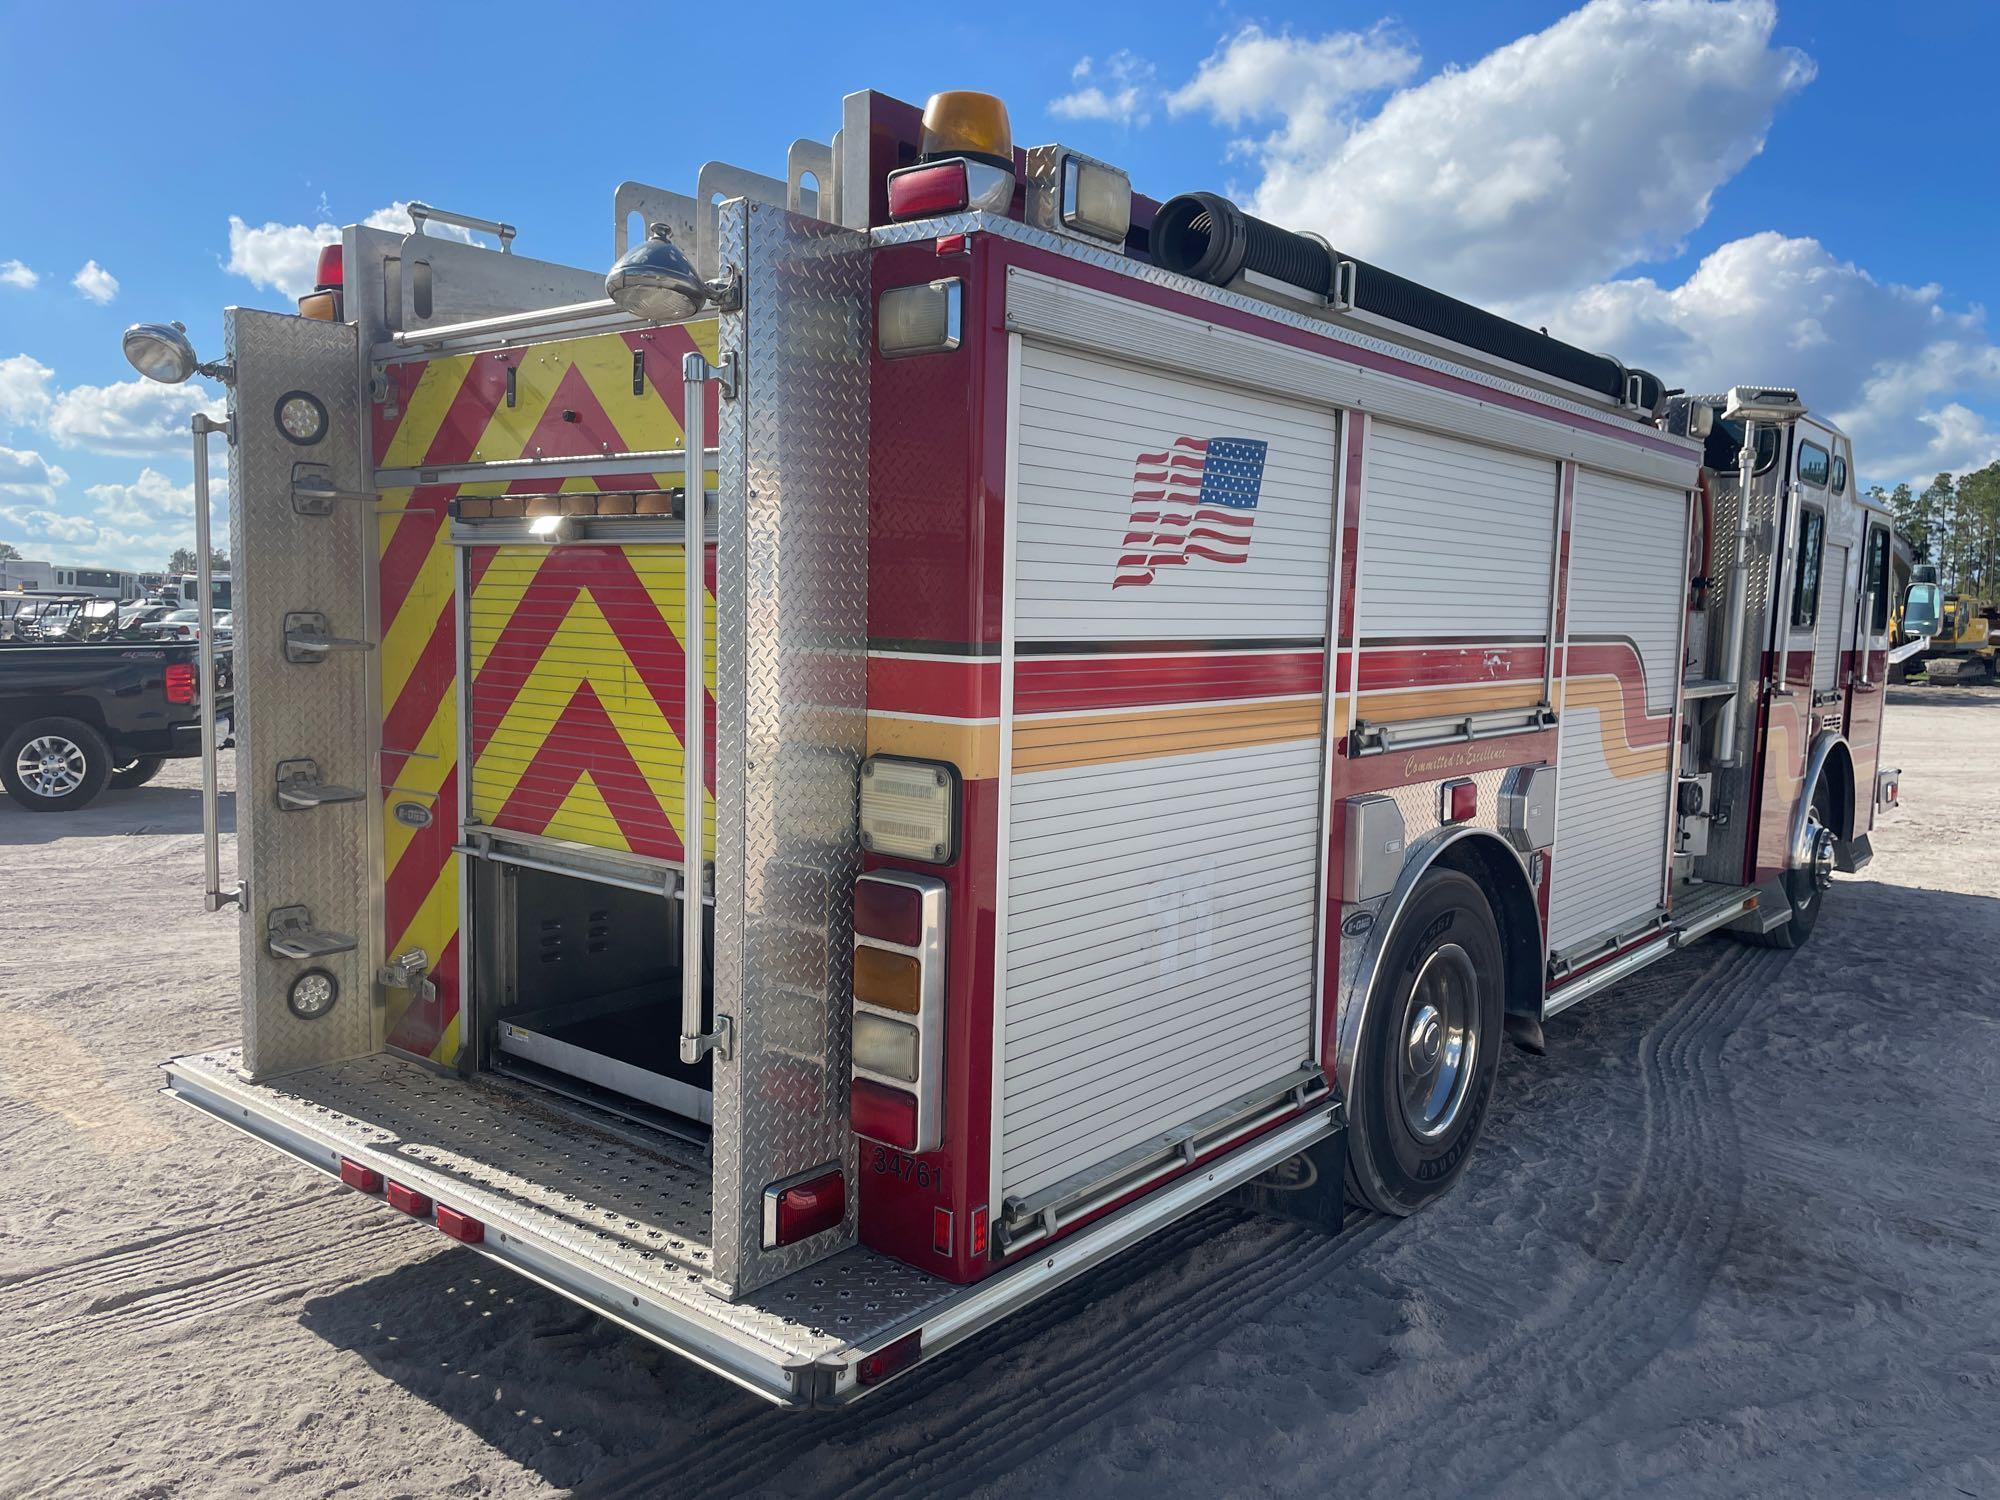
54, 765
136, 772
1429, 1048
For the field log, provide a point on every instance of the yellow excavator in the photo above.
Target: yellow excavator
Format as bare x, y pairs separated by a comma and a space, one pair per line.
1965, 646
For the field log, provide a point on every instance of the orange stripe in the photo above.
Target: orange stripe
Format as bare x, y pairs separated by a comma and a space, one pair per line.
1099, 739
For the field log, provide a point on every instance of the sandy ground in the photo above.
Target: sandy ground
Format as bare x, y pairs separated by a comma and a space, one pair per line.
1735, 1235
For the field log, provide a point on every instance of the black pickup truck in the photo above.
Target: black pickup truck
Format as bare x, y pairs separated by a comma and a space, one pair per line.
77, 715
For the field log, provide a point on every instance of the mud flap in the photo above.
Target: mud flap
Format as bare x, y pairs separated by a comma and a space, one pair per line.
1308, 1187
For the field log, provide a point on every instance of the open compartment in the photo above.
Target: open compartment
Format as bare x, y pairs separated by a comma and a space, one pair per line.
577, 986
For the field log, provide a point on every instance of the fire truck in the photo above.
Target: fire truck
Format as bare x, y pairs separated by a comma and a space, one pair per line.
944, 714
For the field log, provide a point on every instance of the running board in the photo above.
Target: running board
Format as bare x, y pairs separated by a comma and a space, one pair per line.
1698, 911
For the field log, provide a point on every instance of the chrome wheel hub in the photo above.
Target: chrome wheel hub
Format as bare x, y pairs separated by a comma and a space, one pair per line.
1820, 853
1439, 1042
50, 766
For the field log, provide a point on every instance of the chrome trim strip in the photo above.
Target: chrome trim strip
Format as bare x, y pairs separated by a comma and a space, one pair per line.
1603, 977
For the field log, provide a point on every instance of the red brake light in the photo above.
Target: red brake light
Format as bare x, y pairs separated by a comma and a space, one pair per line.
808, 1208
920, 192
330, 272
890, 1359
461, 1227
408, 1199
883, 1114
891, 912
357, 1176
180, 682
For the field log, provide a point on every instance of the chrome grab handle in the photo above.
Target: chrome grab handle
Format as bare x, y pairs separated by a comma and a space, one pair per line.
696, 372
214, 897
422, 212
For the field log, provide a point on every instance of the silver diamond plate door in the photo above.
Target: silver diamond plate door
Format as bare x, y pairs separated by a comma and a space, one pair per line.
791, 684
300, 567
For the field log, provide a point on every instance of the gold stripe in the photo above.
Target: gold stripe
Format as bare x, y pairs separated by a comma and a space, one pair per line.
1432, 703
1053, 744
1606, 695
973, 748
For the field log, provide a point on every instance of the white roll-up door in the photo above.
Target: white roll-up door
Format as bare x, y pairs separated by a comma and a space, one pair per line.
1164, 757
1456, 539
1627, 581
1830, 632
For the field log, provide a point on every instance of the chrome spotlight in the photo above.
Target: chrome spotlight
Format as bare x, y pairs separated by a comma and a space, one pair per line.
163, 352
655, 281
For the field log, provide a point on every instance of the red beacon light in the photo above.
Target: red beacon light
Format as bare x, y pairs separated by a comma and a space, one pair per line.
323, 302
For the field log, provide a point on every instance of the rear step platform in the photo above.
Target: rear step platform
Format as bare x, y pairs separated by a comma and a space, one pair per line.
592, 1210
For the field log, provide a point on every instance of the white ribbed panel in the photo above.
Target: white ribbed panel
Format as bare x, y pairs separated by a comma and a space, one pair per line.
1628, 545
1083, 424
1456, 538
1831, 630
1160, 930
1628, 568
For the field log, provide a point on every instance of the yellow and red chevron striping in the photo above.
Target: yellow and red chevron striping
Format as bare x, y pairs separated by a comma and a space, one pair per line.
572, 397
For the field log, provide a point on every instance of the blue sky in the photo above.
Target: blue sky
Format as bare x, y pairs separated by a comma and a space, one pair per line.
1723, 189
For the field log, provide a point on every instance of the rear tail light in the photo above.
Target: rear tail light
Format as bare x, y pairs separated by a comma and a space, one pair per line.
890, 1359
366, 1179
899, 1009
884, 1114
461, 1227
801, 1207
408, 1199
180, 682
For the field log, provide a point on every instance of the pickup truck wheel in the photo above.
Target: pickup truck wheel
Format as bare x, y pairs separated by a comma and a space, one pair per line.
1429, 1048
136, 772
54, 765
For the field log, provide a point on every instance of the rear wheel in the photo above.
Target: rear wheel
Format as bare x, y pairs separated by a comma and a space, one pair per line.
1805, 886
1429, 1048
54, 765
136, 772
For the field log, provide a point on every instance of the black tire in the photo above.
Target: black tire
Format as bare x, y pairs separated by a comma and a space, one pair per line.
69, 774
1802, 889
1445, 956
136, 772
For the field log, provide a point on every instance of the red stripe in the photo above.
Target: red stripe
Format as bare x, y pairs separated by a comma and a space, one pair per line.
1445, 666
417, 869
409, 717
1619, 659
584, 739
421, 1027
966, 689
410, 546
1067, 684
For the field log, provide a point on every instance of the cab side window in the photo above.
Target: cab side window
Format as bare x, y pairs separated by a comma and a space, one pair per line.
1815, 464
1805, 589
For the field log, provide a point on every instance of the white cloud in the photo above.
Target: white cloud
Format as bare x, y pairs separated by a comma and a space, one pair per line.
24, 391
13, 273
56, 537
1889, 363
133, 416
1119, 93
284, 257
151, 494
26, 476
1560, 158
1310, 85
96, 283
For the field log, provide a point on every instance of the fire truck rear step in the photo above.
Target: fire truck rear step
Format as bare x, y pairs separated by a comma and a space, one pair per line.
620, 1222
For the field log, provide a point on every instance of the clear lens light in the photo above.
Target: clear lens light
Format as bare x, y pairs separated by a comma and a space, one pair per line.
303, 419
885, 1047
1096, 199
312, 994
919, 319
906, 809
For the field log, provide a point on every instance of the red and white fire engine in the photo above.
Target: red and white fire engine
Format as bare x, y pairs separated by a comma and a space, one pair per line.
1170, 697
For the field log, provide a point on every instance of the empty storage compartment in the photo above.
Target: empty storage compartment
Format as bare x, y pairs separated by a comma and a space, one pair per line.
580, 981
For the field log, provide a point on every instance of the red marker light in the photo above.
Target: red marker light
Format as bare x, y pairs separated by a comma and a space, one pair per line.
890, 1359
808, 1208
408, 1199
1461, 801
921, 192
883, 1114
461, 1227
366, 1179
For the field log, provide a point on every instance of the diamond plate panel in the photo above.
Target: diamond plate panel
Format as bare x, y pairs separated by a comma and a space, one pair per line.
284, 562
791, 697
1724, 860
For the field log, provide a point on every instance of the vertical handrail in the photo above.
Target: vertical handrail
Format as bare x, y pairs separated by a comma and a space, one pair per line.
695, 375
214, 898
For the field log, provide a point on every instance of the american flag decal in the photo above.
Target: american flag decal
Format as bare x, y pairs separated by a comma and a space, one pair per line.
1196, 500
